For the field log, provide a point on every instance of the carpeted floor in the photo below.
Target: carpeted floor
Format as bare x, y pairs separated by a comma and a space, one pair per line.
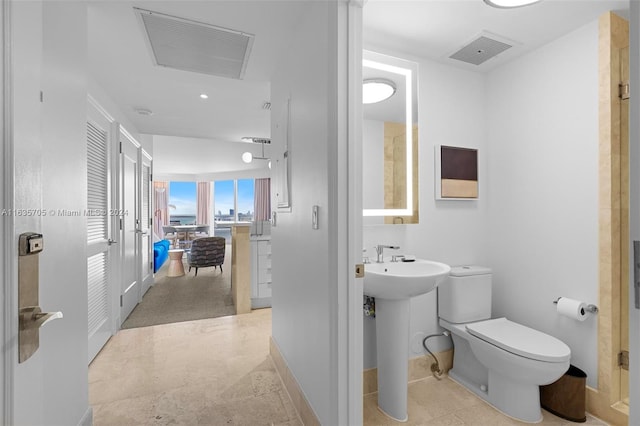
185, 298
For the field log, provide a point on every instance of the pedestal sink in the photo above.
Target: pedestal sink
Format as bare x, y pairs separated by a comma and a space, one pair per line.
393, 284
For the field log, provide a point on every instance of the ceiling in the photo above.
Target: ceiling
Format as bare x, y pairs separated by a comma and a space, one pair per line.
435, 29
122, 65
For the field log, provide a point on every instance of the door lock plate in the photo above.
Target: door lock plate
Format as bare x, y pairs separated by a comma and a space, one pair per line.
360, 270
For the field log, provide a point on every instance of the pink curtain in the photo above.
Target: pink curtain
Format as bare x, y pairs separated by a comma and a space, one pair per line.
160, 207
203, 203
262, 199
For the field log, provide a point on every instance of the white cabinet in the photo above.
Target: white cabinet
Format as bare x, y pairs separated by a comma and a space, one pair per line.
260, 271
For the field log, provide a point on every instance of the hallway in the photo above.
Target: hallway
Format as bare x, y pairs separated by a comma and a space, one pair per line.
206, 372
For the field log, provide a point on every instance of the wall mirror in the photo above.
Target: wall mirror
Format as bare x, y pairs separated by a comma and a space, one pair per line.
390, 141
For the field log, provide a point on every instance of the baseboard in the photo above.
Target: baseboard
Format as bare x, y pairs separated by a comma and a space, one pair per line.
419, 368
597, 405
87, 419
300, 403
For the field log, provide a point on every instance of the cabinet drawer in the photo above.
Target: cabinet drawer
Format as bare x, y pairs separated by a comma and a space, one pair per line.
264, 262
264, 247
264, 275
264, 290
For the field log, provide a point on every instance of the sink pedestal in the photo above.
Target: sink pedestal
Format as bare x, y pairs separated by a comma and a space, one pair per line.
392, 345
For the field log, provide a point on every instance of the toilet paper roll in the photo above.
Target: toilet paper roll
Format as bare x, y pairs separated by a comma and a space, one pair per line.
572, 308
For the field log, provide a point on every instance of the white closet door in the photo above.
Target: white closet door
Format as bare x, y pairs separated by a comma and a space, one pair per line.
146, 233
98, 231
130, 205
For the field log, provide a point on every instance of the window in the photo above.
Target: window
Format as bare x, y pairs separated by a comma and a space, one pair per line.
245, 200
224, 201
182, 203
233, 201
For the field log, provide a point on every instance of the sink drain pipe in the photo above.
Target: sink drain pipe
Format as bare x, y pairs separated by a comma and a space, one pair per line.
435, 367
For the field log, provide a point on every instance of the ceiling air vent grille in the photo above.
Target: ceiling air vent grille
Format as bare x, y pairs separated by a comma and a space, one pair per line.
480, 50
193, 46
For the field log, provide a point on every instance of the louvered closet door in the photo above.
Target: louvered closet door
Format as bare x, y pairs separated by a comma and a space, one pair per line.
98, 232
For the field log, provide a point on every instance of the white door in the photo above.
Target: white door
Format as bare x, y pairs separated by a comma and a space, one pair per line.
145, 227
129, 241
99, 230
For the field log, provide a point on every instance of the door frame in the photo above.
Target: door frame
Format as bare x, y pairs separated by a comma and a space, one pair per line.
355, 333
9, 318
634, 209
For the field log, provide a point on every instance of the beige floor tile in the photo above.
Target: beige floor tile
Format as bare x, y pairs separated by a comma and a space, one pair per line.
445, 402
218, 372
207, 372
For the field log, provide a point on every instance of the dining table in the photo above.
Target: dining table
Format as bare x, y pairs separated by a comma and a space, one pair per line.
189, 232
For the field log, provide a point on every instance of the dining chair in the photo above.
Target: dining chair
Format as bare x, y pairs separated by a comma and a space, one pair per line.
171, 234
201, 231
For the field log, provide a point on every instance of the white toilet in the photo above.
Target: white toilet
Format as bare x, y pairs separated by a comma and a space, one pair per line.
501, 361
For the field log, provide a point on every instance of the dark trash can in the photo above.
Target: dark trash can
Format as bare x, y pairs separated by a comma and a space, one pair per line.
566, 396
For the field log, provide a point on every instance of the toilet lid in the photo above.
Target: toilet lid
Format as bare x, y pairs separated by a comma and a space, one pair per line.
520, 340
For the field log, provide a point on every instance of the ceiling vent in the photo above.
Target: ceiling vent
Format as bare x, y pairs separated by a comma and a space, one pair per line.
256, 140
480, 50
193, 46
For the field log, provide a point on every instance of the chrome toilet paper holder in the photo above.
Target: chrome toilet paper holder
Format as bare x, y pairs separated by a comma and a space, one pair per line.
590, 308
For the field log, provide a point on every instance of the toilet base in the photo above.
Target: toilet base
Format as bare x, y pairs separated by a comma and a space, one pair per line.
518, 401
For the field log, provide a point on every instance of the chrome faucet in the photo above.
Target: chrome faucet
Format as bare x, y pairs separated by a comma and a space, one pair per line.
380, 249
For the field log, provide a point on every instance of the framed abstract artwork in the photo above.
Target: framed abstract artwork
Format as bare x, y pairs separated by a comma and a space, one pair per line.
456, 173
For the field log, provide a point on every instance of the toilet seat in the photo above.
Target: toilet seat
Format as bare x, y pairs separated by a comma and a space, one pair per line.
520, 340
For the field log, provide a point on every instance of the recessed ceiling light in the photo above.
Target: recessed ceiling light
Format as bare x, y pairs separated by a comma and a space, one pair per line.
377, 90
507, 4
204, 96
144, 111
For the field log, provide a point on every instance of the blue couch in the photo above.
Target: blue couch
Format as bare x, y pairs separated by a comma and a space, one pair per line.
160, 253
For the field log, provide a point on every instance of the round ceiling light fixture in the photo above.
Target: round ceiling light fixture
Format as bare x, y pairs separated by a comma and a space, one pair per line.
204, 96
377, 90
247, 157
508, 4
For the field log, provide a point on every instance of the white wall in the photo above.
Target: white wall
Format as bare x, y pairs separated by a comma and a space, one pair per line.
451, 112
303, 259
107, 103
542, 115
538, 203
50, 173
193, 159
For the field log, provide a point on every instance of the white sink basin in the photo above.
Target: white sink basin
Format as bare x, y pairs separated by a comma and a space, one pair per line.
402, 280
393, 284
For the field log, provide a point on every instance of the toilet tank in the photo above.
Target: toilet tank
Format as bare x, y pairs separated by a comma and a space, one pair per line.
465, 296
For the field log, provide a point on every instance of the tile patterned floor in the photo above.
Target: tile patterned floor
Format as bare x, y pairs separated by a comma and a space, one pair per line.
207, 372
445, 402
218, 372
